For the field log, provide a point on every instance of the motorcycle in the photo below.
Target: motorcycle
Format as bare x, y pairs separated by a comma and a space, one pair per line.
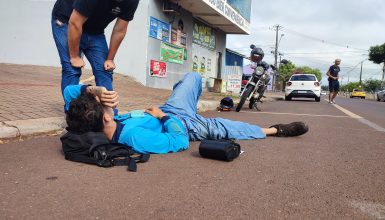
255, 87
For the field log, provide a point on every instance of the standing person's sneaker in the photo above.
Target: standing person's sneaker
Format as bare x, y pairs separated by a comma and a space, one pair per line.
333, 102
291, 130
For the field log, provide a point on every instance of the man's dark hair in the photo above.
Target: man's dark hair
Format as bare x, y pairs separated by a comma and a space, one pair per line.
85, 114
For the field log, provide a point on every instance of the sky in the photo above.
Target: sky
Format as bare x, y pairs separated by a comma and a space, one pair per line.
315, 33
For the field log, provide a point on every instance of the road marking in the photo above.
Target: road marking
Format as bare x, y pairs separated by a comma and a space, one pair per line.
375, 210
278, 113
359, 118
351, 114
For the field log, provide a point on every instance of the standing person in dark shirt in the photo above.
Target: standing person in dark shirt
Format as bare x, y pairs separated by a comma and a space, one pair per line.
78, 27
334, 85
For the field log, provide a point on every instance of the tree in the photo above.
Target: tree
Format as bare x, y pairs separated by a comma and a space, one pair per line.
325, 88
350, 86
308, 70
285, 71
372, 85
377, 55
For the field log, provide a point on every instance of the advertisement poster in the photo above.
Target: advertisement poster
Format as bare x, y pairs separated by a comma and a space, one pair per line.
203, 61
234, 82
159, 30
171, 53
178, 38
158, 68
203, 35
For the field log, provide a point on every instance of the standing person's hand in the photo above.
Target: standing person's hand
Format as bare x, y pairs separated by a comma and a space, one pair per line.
156, 112
77, 62
109, 65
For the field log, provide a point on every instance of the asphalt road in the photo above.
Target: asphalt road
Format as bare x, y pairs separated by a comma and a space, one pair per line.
335, 171
372, 110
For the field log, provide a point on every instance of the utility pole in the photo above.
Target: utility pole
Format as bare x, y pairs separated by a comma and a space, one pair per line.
277, 28
361, 72
348, 76
382, 80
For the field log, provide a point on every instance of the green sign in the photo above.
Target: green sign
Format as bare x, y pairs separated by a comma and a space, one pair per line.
203, 35
171, 53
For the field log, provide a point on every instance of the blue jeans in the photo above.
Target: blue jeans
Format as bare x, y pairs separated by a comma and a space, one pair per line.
94, 48
183, 105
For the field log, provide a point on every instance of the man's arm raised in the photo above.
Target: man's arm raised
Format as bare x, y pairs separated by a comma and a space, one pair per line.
75, 30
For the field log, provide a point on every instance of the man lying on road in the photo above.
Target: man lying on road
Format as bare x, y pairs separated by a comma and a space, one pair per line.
160, 130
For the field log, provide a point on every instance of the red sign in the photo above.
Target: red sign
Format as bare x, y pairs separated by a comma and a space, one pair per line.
157, 68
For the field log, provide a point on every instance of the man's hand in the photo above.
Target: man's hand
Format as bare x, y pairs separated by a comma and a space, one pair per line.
77, 62
156, 112
109, 99
109, 65
105, 97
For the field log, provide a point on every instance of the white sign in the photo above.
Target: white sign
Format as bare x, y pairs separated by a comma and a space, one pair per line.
234, 82
226, 10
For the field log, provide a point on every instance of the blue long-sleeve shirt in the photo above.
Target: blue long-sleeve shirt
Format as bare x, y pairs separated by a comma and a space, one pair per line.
144, 134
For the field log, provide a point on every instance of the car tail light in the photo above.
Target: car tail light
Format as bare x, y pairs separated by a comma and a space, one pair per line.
316, 84
288, 84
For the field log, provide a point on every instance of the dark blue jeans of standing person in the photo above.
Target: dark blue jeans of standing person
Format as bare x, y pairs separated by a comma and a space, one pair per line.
183, 104
94, 47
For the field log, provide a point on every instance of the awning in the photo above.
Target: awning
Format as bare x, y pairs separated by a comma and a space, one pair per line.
217, 13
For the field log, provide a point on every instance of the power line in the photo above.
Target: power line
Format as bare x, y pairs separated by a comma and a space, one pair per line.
320, 40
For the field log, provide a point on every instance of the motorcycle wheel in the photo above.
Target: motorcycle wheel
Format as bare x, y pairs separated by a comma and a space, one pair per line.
246, 94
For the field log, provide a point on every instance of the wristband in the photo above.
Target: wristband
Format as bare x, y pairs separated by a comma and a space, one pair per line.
164, 118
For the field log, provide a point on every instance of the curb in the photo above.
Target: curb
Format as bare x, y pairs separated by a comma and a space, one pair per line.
18, 128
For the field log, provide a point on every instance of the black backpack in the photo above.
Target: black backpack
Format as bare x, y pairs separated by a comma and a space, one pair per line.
95, 148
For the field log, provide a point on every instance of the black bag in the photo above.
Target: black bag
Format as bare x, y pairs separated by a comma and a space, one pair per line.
95, 148
226, 150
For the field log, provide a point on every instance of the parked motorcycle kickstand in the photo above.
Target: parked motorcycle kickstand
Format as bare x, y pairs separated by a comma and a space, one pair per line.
255, 104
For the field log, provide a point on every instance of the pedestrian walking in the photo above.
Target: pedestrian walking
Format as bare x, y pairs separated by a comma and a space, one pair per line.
334, 85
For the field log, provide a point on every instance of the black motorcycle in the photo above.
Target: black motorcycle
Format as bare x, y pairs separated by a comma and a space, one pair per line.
257, 84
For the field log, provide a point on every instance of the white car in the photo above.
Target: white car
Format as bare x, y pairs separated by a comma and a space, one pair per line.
381, 95
303, 86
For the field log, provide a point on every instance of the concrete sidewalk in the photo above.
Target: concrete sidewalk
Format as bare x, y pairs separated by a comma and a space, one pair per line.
31, 101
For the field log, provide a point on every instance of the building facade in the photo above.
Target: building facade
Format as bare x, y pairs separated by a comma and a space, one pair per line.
165, 40
181, 36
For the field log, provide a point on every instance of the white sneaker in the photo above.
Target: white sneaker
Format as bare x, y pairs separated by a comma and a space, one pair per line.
334, 102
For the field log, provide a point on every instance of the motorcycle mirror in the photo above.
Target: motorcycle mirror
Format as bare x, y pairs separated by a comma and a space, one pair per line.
252, 46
